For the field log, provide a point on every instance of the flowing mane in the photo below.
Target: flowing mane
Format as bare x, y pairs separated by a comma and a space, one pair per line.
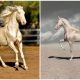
65, 20
6, 11
68, 23
5, 14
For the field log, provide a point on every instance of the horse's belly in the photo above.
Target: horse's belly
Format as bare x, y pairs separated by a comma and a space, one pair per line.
77, 37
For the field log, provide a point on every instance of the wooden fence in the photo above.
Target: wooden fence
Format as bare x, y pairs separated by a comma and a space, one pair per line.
29, 33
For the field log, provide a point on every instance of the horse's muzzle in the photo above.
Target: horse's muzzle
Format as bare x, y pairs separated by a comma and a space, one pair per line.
24, 22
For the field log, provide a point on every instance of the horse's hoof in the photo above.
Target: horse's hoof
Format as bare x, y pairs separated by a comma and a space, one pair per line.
4, 66
16, 68
26, 68
70, 59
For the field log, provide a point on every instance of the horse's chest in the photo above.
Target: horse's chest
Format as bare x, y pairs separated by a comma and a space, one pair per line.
11, 35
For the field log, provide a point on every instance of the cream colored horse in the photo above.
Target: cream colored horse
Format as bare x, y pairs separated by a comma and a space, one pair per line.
71, 34
10, 33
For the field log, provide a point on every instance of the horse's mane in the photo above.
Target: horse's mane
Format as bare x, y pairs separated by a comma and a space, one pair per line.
6, 11
65, 20
73, 26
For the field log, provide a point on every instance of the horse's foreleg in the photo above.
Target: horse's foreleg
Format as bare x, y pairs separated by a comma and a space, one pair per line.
71, 45
22, 55
61, 44
11, 44
3, 64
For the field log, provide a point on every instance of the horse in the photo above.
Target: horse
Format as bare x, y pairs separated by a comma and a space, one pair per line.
71, 34
10, 33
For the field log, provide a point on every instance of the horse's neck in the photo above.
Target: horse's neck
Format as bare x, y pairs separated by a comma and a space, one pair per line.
11, 22
69, 28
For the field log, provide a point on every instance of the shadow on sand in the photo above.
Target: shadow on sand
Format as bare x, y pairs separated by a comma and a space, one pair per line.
12, 64
66, 58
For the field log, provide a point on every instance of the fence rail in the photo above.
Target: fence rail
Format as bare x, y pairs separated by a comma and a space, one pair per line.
25, 35
30, 30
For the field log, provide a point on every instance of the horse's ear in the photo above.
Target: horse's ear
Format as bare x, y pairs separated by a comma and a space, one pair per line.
12, 9
59, 17
18, 6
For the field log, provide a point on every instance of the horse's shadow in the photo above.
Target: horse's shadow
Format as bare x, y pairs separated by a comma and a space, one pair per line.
65, 58
12, 64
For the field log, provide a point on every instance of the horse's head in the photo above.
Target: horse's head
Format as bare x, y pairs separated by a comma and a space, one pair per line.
59, 23
20, 15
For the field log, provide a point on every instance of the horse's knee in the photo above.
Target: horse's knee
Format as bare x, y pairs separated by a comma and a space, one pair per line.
18, 42
22, 56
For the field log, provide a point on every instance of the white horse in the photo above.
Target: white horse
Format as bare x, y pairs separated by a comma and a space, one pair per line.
10, 33
71, 34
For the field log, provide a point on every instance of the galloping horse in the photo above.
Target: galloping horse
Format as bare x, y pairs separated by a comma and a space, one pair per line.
10, 33
71, 34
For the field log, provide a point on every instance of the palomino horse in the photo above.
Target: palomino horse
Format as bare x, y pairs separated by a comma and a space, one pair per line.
71, 34
10, 33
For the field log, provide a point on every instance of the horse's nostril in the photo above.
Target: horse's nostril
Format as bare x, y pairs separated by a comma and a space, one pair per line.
23, 23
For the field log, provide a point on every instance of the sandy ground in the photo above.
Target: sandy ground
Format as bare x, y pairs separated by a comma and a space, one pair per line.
60, 68
32, 59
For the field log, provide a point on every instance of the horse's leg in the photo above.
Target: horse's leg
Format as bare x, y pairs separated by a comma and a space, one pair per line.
3, 64
22, 55
71, 45
61, 44
11, 44
62, 40
20, 46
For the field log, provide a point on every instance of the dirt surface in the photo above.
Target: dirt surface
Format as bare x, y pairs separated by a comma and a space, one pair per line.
60, 67
32, 59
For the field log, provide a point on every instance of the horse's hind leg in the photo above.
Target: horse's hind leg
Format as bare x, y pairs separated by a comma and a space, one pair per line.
11, 44
3, 64
70, 44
